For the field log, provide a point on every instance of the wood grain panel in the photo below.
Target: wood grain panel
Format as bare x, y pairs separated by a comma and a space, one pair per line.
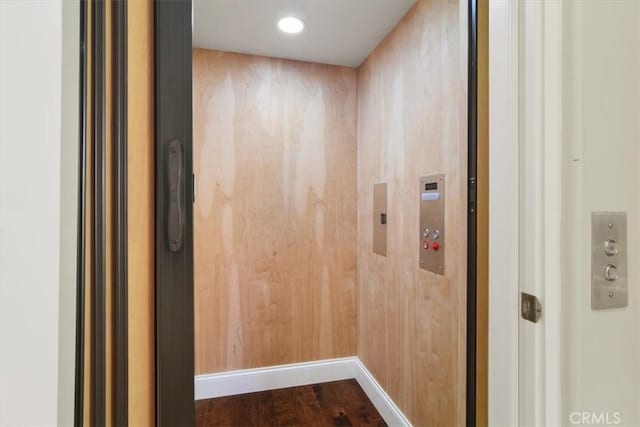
412, 122
141, 215
482, 319
275, 214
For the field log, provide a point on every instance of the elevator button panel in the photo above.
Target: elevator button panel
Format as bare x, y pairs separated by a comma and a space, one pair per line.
432, 232
609, 278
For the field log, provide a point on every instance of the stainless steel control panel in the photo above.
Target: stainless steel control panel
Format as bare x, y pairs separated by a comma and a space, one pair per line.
608, 260
432, 231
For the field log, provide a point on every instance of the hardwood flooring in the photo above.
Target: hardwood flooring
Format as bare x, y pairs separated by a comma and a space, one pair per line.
338, 403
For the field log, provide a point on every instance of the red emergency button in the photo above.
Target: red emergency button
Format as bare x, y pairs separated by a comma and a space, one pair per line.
425, 245
435, 247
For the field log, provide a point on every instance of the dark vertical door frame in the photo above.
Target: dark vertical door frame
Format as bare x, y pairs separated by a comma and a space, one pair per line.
96, 73
98, 227
174, 270
80, 244
174, 213
472, 241
121, 380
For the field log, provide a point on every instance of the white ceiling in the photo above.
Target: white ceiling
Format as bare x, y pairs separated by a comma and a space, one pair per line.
340, 32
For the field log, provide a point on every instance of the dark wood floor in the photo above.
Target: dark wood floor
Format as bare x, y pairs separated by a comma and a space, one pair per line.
339, 403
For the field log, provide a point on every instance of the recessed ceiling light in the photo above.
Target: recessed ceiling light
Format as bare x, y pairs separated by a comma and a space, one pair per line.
291, 25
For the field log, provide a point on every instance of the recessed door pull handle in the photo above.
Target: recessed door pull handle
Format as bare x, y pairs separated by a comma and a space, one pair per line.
530, 307
175, 199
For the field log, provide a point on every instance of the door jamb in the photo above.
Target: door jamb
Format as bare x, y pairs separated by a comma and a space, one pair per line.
174, 307
79, 373
503, 213
552, 176
472, 218
506, 91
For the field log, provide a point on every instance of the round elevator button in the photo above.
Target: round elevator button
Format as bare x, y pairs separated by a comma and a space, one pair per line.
611, 273
611, 247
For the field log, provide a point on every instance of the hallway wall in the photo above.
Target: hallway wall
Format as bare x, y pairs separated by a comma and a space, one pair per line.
601, 136
31, 173
275, 212
412, 122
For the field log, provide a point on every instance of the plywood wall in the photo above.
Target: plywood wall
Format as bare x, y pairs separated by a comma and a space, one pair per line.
275, 213
412, 121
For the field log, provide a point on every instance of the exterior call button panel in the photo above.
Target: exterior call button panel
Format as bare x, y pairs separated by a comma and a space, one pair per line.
608, 260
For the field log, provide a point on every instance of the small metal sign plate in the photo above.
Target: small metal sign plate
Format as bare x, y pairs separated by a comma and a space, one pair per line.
380, 218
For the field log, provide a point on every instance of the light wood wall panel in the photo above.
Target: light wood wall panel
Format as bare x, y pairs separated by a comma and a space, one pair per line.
412, 121
275, 213
141, 228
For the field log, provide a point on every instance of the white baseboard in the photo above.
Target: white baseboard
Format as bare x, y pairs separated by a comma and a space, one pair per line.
380, 399
231, 383
272, 378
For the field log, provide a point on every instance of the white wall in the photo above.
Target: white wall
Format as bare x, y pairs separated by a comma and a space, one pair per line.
68, 208
602, 173
30, 207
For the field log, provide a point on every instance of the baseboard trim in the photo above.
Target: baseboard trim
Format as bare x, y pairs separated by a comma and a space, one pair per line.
274, 377
231, 383
380, 399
